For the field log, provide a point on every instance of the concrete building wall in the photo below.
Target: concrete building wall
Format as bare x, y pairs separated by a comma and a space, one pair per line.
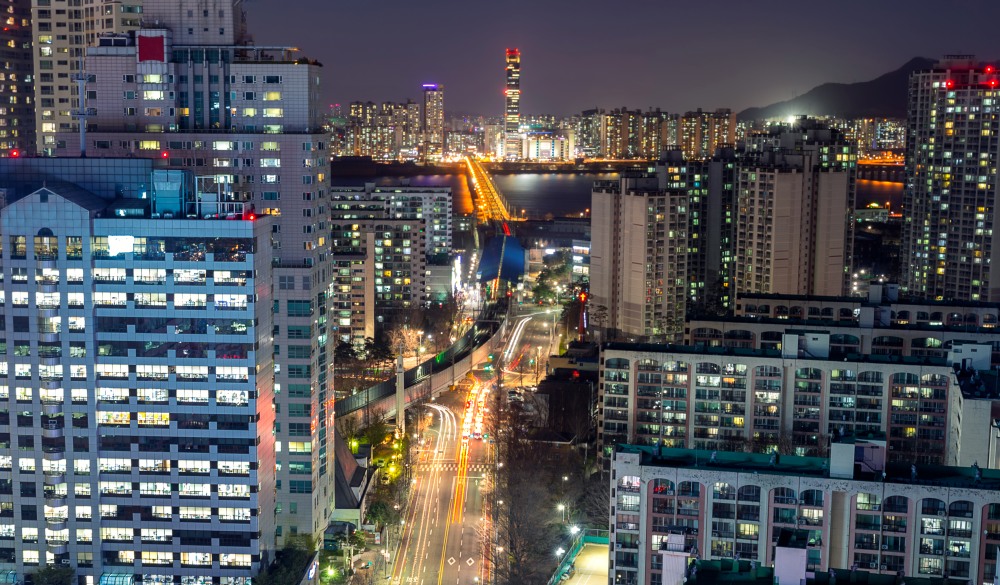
739, 507
149, 387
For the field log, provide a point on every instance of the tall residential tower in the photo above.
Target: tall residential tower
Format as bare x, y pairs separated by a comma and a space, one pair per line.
247, 118
433, 121
950, 200
512, 112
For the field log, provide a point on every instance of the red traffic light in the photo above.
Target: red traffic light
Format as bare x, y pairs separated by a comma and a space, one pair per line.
15, 154
164, 154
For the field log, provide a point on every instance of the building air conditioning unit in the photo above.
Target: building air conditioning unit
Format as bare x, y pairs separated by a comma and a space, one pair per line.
715, 533
872, 565
885, 547
939, 552
883, 568
942, 513
802, 502
885, 527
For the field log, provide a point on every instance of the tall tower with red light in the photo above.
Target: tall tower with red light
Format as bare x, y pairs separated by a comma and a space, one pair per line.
512, 111
949, 202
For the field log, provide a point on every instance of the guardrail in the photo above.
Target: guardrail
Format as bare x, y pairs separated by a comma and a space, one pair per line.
483, 330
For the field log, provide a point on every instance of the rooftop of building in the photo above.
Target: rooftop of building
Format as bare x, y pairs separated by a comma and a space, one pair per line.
114, 188
767, 353
237, 53
818, 467
739, 572
865, 301
845, 323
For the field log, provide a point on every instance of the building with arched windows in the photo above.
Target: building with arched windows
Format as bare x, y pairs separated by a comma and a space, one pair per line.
851, 512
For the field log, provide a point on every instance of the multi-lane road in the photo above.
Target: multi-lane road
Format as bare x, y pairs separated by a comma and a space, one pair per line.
446, 527
442, 533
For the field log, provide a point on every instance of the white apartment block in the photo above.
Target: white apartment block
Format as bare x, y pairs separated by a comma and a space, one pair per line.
793, 214
189, 90
796, 399
62, 30
433, 205
136, 384
852, 513
639, 256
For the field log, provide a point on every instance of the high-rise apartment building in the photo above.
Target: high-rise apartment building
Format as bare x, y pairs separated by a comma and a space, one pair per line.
389, 131
61, 34
951, 188
855, 518
387, 241
588, 134
660, 242
794, 399
795, 200
17, 90
776, 217
512, 106
248, 119
433, 121
136, 376
431, 204
702, 132
639, 255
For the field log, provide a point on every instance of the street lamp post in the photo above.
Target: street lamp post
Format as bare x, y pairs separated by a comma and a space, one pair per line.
562, 508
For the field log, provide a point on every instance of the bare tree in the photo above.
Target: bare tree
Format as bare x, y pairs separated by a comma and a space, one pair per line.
404, 339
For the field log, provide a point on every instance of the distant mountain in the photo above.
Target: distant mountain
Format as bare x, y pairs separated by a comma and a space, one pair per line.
884, 96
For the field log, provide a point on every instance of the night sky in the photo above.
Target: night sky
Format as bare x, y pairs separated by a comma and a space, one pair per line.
578, 54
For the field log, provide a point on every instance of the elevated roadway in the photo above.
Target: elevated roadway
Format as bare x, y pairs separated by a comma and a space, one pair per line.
490, 204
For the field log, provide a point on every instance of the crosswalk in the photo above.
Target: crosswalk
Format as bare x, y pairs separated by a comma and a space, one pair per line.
453, 467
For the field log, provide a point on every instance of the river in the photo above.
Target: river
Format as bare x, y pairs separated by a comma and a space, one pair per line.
560, 194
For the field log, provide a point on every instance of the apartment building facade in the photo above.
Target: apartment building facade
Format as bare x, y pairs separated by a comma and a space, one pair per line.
854, 514
189, 90
137, 383
882, 324
798, 399
61, 32
639, 255
951, 186
794, 226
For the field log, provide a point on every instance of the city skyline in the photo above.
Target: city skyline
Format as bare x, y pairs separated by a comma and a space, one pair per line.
465, 55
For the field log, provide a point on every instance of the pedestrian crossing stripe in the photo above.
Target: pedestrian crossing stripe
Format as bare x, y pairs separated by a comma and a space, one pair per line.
452, 467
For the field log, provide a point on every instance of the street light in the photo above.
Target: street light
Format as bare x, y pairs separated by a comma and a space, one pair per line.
560, 552
562, 508
574, 530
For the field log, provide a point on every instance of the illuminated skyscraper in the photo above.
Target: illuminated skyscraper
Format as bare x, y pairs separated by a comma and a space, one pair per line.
433, 121
512, 114
950, 200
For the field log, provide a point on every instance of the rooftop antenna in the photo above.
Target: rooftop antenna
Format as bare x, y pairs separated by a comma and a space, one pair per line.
83, 112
